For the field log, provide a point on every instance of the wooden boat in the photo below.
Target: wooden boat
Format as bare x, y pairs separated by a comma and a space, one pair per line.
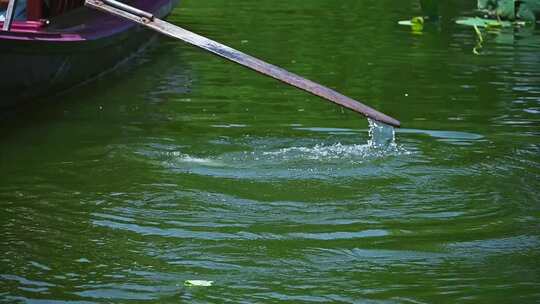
41, 56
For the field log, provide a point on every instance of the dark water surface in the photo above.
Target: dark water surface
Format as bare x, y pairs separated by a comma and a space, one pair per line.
181, 166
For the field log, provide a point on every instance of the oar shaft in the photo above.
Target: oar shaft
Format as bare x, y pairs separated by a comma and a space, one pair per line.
247, 61
10, 11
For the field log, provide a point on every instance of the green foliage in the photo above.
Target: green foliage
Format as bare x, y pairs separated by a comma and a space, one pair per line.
527, 10
505, 9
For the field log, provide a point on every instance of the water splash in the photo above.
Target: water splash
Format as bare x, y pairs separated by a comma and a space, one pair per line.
181, 158
271, 157
322, 152
381, 135
381, 143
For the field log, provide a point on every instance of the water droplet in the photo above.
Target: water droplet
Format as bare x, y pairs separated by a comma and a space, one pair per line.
381, 135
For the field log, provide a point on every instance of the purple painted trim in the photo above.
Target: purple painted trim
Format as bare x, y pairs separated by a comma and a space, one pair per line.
37, 35
25, 26
102, 26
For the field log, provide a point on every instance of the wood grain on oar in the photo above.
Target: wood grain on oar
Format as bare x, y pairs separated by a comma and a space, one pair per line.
145, 19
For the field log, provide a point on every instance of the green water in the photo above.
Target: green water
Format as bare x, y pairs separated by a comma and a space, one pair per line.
180, 166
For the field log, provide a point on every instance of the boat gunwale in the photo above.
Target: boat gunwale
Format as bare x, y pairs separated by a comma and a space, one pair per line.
100, 26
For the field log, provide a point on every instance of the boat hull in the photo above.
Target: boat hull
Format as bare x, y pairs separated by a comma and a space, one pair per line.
32, 68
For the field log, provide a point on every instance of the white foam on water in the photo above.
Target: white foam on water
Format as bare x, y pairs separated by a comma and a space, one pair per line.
381, 142
322, 152
188, 159
274, 157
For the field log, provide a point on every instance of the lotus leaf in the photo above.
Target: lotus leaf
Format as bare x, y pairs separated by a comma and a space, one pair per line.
485, 23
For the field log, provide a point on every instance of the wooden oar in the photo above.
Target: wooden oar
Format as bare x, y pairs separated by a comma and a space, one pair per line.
12, 4
148, 20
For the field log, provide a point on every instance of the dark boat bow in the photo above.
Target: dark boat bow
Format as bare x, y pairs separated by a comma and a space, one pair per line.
41, 58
